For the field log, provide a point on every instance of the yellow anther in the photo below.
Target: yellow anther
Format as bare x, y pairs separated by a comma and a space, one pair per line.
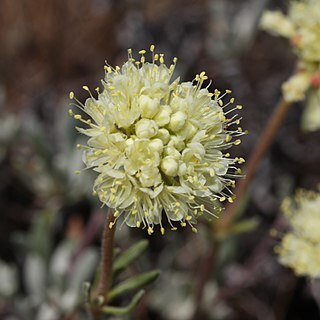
150, 230
77, 116
222, 199
220, 103
111, 224
237, 142
228, 91
116, 214
77, 171
138, 223
156, 57
79, 146
232, 100
239, 107
71, 95
161, 58
177, 204
228, 138
230, 199
94, 193
194, 229
85, 88
183, 224
162, 231
142, 51
202, 208
152, 48
173, 228
188, 218
175, 59
212, 172
70, 112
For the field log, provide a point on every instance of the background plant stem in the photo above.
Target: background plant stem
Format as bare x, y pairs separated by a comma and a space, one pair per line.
229, 215
259, 151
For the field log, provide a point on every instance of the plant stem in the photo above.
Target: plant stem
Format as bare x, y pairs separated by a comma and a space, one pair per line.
106, 263
260, 150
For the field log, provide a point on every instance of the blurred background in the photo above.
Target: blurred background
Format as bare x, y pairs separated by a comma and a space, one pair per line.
50, 223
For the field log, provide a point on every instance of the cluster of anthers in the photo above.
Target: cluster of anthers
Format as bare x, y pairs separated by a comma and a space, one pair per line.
302, 27
158, 145
299, 248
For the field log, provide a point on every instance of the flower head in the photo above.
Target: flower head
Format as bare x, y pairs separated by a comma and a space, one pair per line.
299, 248
158, 145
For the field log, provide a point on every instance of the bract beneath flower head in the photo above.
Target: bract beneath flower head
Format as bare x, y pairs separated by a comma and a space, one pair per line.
158, 145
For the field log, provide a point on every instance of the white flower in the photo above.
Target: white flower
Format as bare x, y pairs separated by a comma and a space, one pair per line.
158, 145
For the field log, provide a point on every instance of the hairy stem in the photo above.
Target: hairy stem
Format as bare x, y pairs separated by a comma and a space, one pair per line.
106, 263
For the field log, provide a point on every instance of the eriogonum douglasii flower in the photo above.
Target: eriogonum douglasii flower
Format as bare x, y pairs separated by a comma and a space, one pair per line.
302, 27
300, 248
158, 145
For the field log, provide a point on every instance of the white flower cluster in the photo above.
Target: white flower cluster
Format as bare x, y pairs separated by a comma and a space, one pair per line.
158, 145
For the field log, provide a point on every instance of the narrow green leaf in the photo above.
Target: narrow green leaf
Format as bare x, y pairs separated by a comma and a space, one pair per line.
121, 311
133, 283
129, 256
243, 226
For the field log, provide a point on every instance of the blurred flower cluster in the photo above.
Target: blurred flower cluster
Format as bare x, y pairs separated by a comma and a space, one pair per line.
300, 247
302, 27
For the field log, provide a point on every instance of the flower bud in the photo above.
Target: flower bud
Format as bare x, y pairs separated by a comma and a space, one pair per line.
146, 128
163, 116
148, 107
169, 166
188, 131
177, 121
164, 135
156, 145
